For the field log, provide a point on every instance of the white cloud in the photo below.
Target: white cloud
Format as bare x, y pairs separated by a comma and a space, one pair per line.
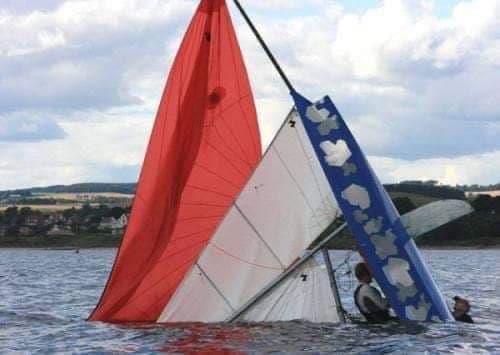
84, 53
26, 128
467, 169
419, 91
106, 147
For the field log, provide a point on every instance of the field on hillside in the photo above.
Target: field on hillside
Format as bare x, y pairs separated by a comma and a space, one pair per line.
82, 196
491, 193
55, 201
49, 208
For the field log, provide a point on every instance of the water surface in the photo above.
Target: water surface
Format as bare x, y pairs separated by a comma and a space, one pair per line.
46, 295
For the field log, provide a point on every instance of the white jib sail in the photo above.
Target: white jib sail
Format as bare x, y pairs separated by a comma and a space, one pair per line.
282, 209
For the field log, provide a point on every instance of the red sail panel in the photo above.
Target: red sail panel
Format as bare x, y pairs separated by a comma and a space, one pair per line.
204, 145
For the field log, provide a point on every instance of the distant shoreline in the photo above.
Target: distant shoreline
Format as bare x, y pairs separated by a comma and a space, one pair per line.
56, 249
76, 247
84, 241
453, 247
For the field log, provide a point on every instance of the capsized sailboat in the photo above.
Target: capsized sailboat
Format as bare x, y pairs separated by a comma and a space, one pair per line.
214, 236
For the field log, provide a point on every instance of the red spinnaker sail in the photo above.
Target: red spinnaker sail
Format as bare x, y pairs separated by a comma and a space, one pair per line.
204, 145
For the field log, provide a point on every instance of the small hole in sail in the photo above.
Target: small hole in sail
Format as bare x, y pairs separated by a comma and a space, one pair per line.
216, 97
208, 36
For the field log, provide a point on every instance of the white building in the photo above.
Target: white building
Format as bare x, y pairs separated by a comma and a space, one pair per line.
57, 230
115, 225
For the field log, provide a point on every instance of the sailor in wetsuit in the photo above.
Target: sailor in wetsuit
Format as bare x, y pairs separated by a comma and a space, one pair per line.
370, 303
461, 309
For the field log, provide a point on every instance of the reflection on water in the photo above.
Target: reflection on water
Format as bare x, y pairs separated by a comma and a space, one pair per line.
46, 295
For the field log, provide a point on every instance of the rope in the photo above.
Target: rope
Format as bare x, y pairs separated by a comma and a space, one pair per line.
346, 263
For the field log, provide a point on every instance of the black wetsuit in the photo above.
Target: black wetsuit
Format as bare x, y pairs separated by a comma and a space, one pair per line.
373, 312
464, 318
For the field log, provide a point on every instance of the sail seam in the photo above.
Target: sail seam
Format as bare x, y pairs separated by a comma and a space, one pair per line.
231, 105
325, 201
132, 299
222, 120
212, 283
242, 260
258, 235
211, 191
309, 164
201, 204
240, 155
191, 235
198, 218
166, 257
224, 156
273, 307
216, 175
298, 186
232, 45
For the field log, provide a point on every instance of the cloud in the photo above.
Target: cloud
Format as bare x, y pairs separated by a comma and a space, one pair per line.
411, 84
26, 6
18, 128
83, 54
467, 169
419, 91
105, 147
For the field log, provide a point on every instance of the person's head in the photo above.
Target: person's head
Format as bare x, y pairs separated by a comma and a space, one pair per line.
363, 273
461, 305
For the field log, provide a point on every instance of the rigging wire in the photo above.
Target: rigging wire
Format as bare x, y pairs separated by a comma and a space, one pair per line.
348, 285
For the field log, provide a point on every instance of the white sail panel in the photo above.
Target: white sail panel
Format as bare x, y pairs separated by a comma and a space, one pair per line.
305, 294
284, 206
194, 298
286, 202
237, 261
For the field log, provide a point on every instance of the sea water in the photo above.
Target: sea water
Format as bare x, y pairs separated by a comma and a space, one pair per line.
45, 296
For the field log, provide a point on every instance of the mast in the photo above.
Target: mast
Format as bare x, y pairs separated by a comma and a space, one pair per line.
264, 46
331, 275
333, 284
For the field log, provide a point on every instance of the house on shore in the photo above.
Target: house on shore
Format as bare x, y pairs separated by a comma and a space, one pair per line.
474, 194
60, 231
35, 220
25, 231
113, 225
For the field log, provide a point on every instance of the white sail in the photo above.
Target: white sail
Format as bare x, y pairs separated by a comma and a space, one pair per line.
306, 294
284, 206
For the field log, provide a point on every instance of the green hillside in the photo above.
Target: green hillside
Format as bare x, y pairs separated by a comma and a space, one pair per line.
124, 188
479, 229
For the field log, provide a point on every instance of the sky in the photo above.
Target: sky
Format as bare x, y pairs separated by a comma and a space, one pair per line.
418, 81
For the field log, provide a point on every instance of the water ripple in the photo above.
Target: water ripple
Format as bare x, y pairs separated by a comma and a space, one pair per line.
46, 295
